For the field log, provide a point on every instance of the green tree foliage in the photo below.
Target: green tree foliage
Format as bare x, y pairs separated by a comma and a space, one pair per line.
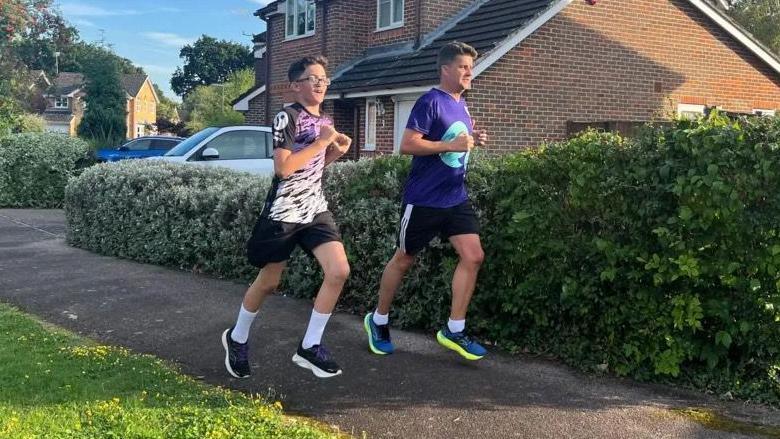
209, 61
104, 121
210, 105
761, 18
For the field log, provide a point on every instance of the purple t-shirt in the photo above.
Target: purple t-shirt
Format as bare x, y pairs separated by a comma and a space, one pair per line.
438, 180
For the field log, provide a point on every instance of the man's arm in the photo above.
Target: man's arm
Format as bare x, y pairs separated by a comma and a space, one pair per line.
413, 143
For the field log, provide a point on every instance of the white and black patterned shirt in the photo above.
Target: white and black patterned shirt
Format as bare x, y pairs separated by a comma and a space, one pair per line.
297, 198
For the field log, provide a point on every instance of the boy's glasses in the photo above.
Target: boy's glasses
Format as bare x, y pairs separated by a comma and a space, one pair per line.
314, 80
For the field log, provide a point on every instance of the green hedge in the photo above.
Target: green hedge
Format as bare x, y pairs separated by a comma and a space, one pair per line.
656, 258
35, 167
190, 217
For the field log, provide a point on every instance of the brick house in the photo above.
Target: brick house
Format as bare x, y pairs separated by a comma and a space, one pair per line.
65, 104
546, 67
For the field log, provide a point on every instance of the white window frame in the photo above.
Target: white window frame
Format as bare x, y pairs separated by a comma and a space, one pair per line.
58, 102
393, 24
766, 113
690, 108
370, 125
294, 35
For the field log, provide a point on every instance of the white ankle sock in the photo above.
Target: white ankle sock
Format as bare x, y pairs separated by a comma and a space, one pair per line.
456, 325
243, 323
316, 328
380, 319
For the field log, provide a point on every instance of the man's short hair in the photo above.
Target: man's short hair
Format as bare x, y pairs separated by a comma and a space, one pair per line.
298, 67
449, 52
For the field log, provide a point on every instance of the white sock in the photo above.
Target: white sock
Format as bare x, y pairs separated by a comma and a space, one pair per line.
316, 328
240, 332
380, 319
456, 325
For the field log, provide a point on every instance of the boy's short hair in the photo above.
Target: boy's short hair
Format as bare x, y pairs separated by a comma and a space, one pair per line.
298, 67
452, 50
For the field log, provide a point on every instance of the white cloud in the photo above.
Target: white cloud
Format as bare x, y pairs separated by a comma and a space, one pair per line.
261, 2
84, 23
169, 39
76, 9
153, 69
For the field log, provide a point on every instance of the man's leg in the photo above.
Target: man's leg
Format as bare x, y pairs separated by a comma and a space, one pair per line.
394, 273
471, 255
464, 279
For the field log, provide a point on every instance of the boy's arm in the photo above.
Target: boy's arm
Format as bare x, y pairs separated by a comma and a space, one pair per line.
338, 148
287, 162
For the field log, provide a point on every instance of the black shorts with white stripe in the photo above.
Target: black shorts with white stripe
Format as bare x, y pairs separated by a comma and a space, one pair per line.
420, 224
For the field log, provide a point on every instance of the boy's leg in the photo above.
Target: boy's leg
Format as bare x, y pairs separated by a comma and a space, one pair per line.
323, 241
264, 285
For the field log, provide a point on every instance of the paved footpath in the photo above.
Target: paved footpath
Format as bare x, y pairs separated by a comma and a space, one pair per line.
421, 391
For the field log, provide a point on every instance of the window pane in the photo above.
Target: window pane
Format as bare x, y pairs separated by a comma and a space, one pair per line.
301, 14
140, 145
398, 11
237, 145
371, 124
312, 16
290, 17
384, 13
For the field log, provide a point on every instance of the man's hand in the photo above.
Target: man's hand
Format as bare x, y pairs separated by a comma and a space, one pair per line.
462, 143
328, 133
481, 137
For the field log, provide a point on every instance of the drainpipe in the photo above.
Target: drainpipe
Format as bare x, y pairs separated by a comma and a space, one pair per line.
356, 134
267, 73
324, 49
418, 36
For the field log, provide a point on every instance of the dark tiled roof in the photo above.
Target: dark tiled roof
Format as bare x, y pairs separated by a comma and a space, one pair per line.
57, 116
484, 28
132, 83
66, 82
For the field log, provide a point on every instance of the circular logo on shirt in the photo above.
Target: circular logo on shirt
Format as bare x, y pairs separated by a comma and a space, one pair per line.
453, 159
281, 121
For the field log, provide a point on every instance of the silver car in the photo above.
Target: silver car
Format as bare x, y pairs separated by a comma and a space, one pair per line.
241, 148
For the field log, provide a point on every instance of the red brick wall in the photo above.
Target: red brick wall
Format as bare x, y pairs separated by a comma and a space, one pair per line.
618, 60
256, 113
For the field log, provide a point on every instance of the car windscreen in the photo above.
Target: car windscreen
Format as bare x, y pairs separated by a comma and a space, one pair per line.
190, 142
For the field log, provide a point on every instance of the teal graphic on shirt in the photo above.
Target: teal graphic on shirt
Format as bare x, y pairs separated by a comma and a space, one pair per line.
452, 159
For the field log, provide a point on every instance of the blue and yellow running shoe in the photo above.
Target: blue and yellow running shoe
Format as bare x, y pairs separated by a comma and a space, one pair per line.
461, 343
378, 336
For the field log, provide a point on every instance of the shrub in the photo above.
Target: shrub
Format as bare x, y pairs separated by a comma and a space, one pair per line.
35, 167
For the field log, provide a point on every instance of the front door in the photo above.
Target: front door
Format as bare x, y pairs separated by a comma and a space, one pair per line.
403, 108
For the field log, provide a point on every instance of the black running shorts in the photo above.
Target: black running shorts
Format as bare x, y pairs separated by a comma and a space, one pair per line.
420, 224
274, 241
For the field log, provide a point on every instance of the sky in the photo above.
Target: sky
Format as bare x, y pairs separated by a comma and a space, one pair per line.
150, 33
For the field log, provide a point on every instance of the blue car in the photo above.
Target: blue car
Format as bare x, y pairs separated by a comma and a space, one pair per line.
141, 147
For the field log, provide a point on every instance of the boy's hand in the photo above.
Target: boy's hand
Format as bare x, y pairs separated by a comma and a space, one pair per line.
328, 133
342, 142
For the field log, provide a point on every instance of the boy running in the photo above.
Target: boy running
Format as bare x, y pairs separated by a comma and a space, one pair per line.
296, 213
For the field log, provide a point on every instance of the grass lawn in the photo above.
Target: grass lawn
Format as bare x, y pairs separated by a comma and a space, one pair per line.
54, 384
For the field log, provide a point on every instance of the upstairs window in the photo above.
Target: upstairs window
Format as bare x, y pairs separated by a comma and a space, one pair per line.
61, 102
389, 14
300, 18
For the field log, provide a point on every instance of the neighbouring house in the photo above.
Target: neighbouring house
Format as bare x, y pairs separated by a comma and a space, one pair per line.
547, 68
65, 104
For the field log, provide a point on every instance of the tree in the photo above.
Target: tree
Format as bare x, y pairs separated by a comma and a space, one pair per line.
761, 18
104, 121
166, 109
75, 56
207, 62
210, 105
